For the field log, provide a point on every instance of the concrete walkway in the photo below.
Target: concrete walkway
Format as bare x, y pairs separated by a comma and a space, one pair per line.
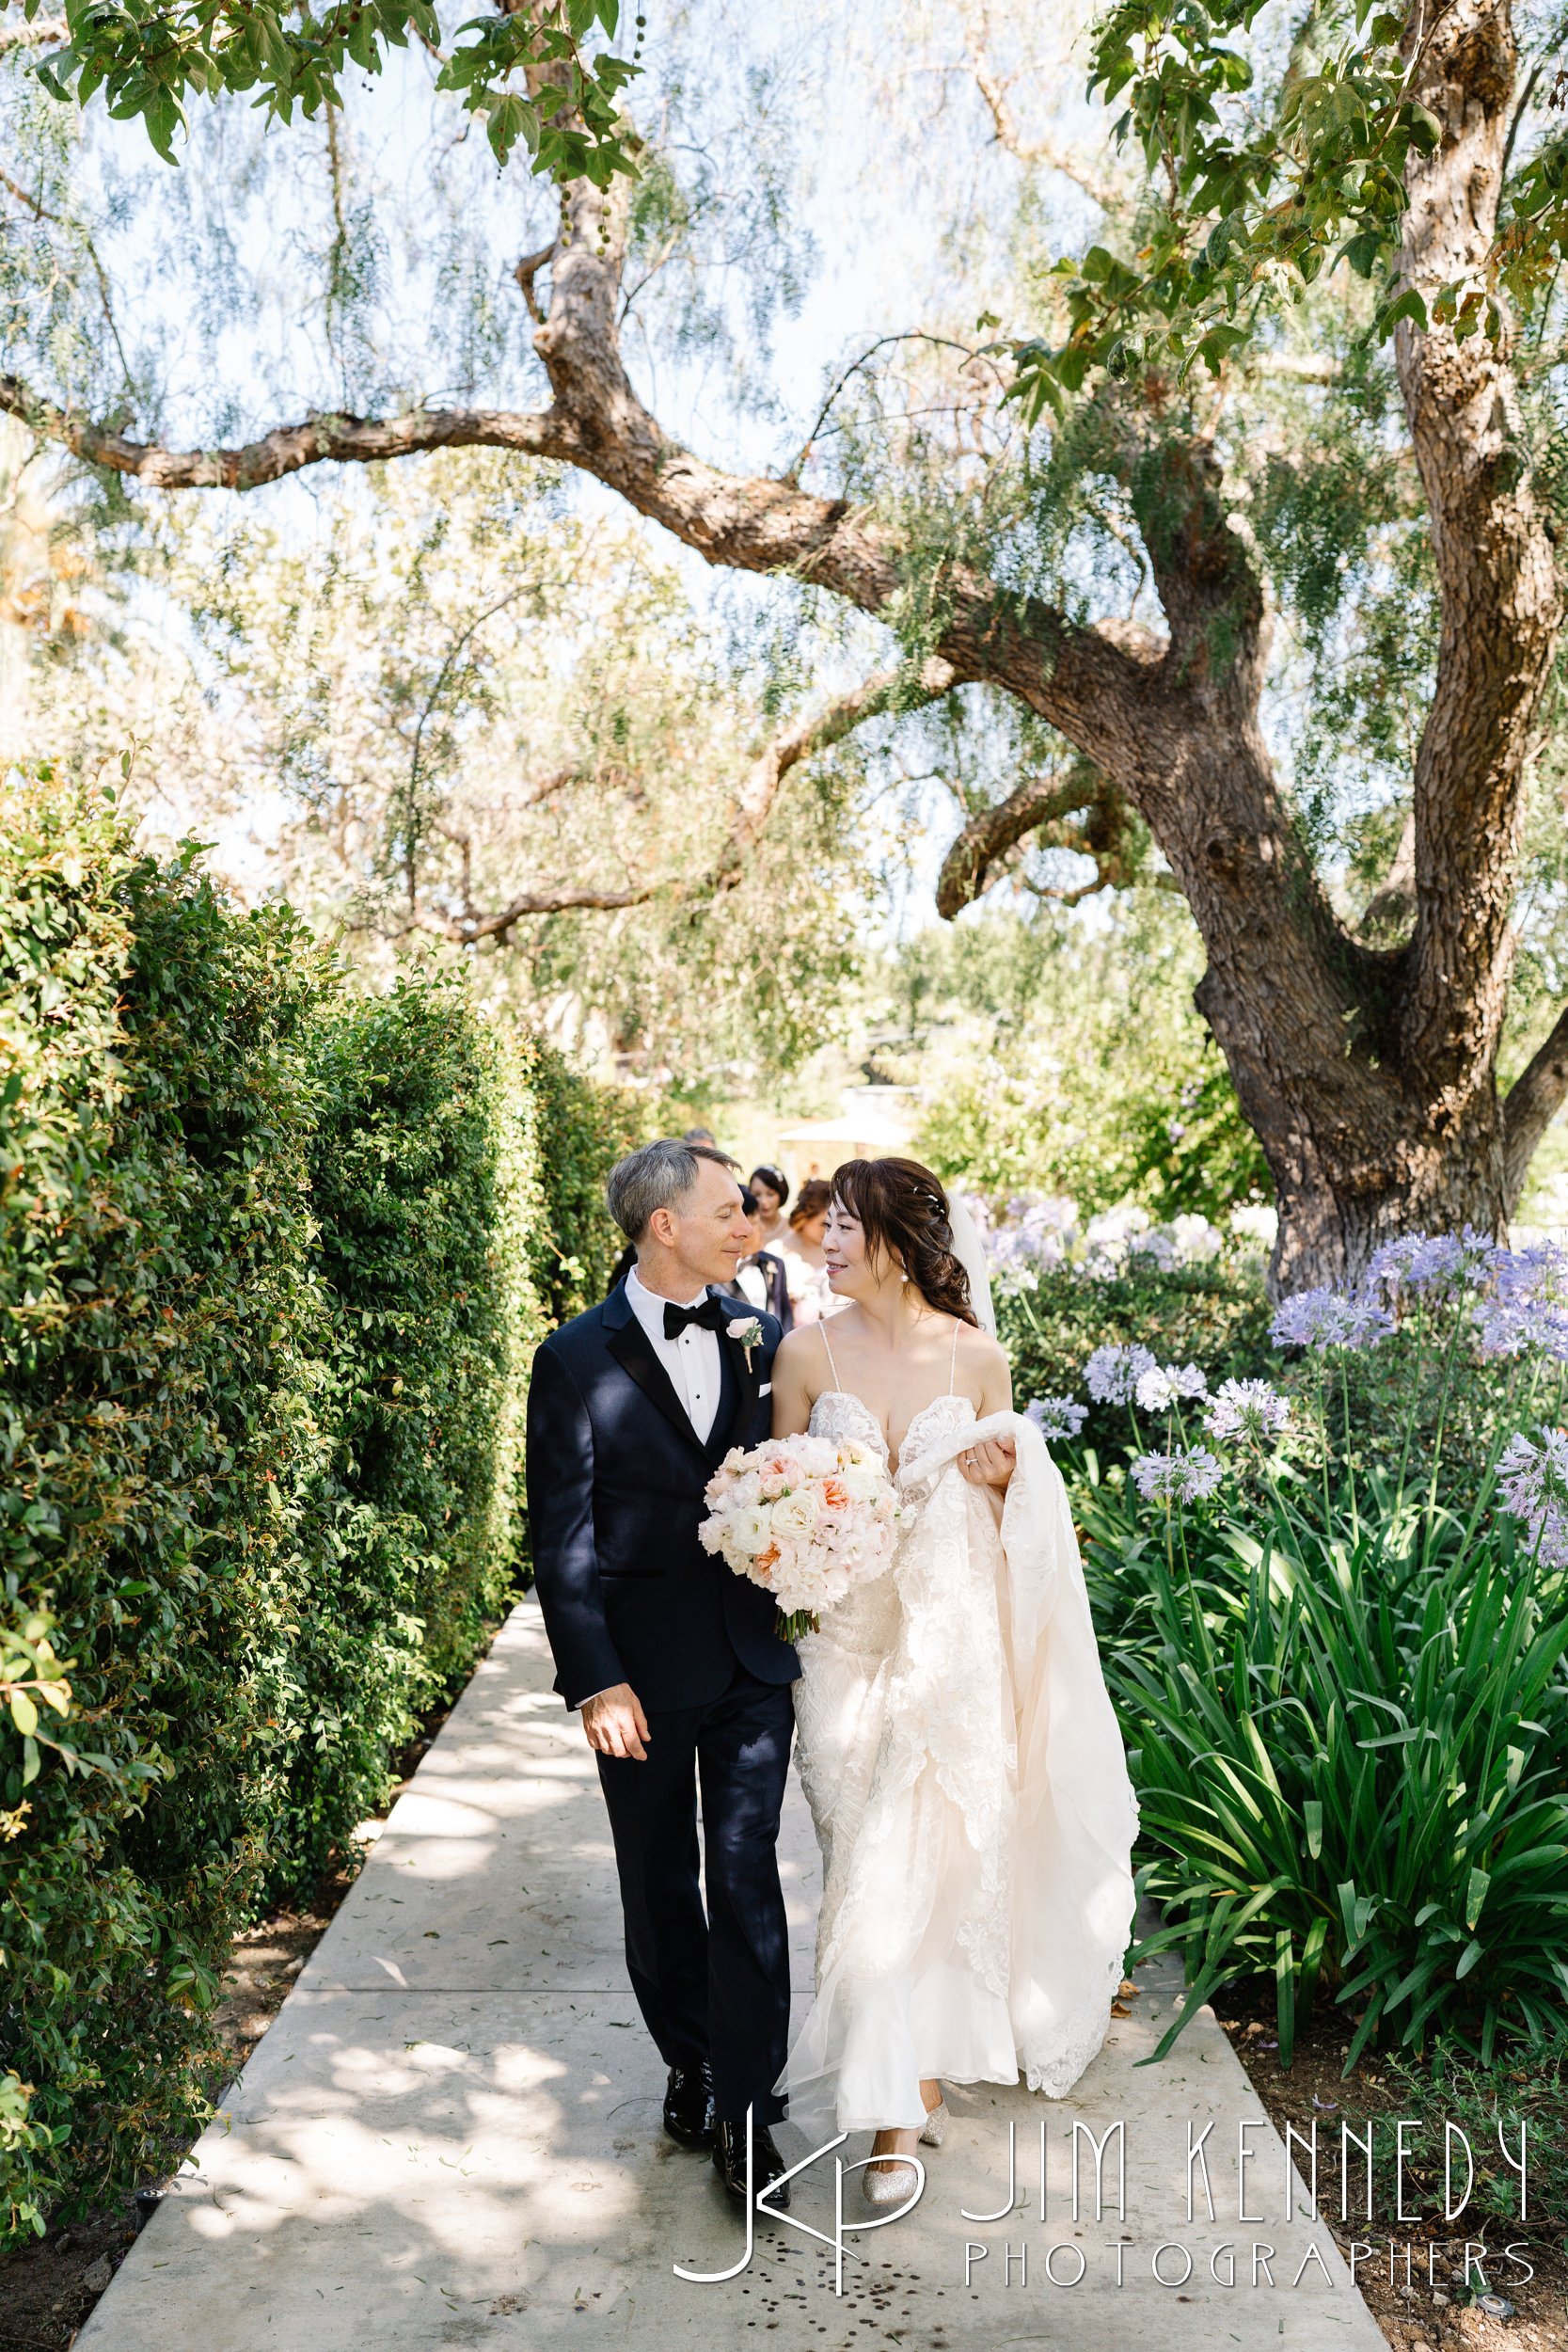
450, 2135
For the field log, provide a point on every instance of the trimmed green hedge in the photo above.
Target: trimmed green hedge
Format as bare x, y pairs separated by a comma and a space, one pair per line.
583, 1130
266, 1301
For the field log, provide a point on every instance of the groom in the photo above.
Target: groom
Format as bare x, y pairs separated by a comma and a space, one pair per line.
671, 1657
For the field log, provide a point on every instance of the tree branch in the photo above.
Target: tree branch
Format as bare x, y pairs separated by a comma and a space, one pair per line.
1089, 681
34, 36
995, 90
321, 438
467, 930
885, 690
1533, 1101
967, 868
1174, 722
526, 272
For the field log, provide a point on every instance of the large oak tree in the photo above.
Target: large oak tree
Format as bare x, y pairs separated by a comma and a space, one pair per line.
1365, 1055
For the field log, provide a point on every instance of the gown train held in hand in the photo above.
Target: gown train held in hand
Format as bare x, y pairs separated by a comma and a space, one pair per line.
969, 1785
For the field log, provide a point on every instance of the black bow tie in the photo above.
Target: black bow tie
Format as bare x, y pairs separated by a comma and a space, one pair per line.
707, 1312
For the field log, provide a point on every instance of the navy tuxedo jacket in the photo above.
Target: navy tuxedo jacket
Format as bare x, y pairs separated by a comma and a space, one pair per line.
615, 1480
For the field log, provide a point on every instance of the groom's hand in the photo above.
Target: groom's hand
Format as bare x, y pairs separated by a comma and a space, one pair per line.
615, 1722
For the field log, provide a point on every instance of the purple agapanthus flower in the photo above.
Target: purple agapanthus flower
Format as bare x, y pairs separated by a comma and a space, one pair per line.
1056, 1417
1535, 1483
1527, 1308
1187, 1474
1112, 1373
1535, 1324
1522, 1276
1247, 1408
1165, 1385
1325, 1319
1439, 1262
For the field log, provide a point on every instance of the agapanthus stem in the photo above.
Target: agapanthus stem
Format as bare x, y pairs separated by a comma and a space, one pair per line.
1415, 1401
1448, 1356
1349, 1452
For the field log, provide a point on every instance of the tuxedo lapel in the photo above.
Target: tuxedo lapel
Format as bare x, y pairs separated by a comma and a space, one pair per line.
633, 1351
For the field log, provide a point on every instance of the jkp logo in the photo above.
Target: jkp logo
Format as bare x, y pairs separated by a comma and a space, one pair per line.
841, 2229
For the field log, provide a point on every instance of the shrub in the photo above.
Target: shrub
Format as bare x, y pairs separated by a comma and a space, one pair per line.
423, 1186
1339, 1664
583, 1129
264, 1307
1489, 2104
1349, 1759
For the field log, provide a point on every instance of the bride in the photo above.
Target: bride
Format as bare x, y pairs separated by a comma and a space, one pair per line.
956, 1742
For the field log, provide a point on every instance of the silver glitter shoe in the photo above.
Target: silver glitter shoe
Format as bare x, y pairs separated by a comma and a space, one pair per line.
892, 2187
936, 2124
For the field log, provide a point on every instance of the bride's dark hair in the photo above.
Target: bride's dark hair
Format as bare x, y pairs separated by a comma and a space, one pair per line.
902, 1210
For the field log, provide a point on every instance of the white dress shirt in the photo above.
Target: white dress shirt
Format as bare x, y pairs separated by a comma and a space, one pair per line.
692, 1361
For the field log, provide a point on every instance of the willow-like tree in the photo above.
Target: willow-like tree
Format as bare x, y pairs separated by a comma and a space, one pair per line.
1399, 151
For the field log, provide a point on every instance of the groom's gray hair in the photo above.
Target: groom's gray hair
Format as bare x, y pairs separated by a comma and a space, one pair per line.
657, 1177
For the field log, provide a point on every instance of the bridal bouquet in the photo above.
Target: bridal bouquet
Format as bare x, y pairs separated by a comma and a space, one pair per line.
808, 1519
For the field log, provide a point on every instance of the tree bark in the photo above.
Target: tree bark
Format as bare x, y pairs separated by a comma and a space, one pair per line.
1533, 1101
1501, 608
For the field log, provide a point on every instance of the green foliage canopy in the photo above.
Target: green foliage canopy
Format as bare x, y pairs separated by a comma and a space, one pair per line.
148, 58
1250, 202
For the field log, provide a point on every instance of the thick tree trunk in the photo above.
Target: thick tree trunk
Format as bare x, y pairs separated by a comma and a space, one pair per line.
1358, 1151
1356, 1132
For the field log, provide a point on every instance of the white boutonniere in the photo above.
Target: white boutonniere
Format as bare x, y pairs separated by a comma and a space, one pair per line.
746, 1335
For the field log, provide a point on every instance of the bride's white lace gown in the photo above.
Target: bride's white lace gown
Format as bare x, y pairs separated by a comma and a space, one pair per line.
968, 1782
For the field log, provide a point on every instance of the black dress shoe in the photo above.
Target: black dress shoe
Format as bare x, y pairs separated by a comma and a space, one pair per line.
729, 2157
688, 2105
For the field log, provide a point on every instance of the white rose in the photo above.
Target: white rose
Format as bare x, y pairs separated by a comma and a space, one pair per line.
748, 1530
794, 1516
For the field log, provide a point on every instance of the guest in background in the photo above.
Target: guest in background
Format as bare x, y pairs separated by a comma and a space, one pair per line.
761, 1276
808, 1219
771, 1186
805, 1268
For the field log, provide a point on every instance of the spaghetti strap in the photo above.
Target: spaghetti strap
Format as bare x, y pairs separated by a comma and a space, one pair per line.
953, 1360
822, 1326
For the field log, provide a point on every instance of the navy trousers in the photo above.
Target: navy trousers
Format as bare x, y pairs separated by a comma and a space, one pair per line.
713, 1986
